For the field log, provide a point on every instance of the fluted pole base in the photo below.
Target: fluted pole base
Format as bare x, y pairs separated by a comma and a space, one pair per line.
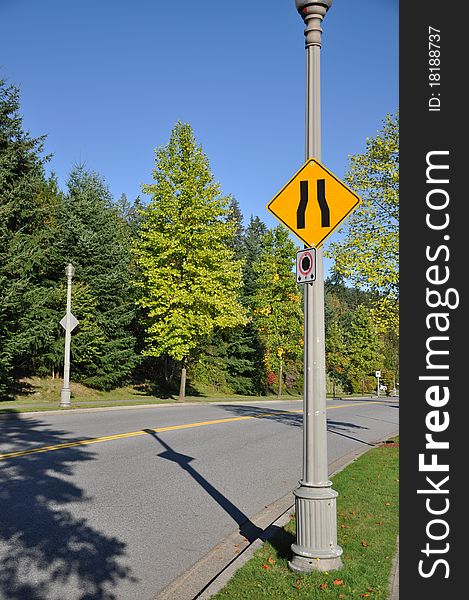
316, 530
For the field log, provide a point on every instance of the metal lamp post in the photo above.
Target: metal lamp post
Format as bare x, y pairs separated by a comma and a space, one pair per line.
315, 501
68, 322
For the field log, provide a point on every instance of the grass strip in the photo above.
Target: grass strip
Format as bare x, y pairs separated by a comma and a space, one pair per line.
367, 518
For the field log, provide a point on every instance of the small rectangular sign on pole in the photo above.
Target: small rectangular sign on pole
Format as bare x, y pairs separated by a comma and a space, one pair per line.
306, 265
378, 373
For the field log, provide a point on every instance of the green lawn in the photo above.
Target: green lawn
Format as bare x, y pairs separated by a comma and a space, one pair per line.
368, 513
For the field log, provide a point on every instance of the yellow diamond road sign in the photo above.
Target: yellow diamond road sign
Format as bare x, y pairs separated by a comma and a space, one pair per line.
313, 203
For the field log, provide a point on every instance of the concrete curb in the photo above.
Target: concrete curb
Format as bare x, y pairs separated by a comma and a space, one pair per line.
394, 579
137, 406
213, 571
174, 404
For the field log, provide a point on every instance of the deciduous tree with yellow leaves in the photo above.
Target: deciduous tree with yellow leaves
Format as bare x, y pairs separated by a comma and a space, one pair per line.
368, 254
189, 277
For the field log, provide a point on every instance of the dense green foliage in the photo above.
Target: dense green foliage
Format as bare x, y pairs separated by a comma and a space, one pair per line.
24, 239
368, 254
277, 312
93, 237
176, 286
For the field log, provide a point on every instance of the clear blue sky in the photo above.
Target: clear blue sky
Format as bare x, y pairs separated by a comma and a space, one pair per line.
107, 80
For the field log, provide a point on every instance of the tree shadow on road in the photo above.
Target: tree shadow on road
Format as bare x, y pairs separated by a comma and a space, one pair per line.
342, 428
43, 546
269, 414
246, 527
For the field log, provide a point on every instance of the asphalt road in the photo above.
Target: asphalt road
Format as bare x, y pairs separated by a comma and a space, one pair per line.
99, 505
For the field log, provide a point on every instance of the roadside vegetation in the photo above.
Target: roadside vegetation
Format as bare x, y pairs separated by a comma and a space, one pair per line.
175, 292
367, 532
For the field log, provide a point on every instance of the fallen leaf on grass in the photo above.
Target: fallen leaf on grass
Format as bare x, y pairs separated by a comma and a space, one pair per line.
364, 595
323, 586
387, 504
266, 567
271, 560
341, 596
338, 582
297, 584
364, 543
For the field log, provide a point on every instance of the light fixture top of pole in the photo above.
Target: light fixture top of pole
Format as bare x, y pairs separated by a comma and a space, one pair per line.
69, 270
305, 7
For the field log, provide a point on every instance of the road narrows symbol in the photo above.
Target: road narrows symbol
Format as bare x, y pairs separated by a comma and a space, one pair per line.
325, 212
300, 213
313, 219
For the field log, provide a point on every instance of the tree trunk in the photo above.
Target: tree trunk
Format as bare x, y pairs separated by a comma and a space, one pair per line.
333, 388
182, 385
363, 388
280, 375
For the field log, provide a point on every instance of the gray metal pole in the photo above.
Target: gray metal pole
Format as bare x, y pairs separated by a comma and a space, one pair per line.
65, 391
316, 546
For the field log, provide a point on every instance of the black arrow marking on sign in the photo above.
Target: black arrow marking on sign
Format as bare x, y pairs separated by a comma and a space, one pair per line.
324, 207
325, 212
301, 210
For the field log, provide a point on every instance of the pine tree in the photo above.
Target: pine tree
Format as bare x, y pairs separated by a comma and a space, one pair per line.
27, 206
252, 249
236, 216
97, 242
189, 277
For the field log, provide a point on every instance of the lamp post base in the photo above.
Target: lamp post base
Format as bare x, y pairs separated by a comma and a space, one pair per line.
307, 565
316, 546
65, 394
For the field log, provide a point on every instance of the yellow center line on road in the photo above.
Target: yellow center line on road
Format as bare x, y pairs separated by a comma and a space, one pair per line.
120, 436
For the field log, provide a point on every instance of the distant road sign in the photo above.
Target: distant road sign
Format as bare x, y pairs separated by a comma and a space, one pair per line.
73, 322
378, 373
313, 203
306, 265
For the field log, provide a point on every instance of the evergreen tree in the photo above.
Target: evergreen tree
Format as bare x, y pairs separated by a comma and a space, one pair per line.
97, 242
130, 214
277, 304
26, 215
189, 277
236, 216
252, 250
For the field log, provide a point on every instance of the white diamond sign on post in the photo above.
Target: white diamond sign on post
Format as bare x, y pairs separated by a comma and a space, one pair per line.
69, 322
73, 322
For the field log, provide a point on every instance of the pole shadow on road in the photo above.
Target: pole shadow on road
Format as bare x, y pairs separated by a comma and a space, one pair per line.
246, 527
342, 428
43, 547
